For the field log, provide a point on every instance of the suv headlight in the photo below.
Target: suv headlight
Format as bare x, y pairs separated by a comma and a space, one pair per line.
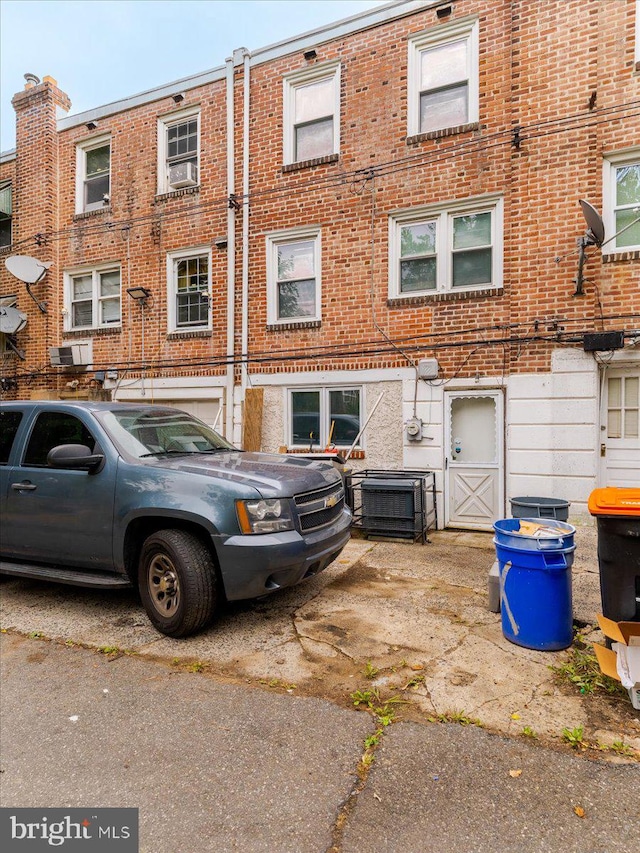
264, 516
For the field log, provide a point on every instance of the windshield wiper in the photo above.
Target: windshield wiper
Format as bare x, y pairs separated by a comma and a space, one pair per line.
186, 452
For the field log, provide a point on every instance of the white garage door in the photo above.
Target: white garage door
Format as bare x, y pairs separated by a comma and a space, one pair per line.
205, 410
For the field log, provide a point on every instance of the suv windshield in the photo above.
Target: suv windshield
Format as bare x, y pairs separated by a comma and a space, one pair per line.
142, 433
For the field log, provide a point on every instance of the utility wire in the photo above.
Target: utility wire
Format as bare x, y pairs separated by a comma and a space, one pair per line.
489, 142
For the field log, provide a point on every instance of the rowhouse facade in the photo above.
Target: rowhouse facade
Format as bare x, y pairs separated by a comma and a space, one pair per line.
369, 237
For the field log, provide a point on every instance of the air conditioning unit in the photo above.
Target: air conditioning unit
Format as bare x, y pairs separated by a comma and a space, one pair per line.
70, 356
183, 175
392, 506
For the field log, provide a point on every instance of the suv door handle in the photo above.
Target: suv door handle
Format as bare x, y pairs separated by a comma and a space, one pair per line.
25, 486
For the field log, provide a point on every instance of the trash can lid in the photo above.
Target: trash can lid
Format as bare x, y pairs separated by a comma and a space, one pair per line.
614, 501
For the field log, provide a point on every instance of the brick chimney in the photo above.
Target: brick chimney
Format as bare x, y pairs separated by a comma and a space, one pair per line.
36, 200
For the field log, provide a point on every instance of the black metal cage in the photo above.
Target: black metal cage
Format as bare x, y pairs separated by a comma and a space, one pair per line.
393, 503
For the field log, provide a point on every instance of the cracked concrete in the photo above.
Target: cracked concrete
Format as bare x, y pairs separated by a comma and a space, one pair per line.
416, 614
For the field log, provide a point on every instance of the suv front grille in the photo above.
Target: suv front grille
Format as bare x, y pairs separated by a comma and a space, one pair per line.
321, 507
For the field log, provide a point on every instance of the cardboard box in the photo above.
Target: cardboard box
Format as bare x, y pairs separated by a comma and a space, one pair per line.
622, 660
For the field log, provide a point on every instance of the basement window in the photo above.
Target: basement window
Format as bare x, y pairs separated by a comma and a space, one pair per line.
326, 416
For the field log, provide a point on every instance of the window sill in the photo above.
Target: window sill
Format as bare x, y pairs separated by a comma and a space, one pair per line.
300, 324
440, 134
444, 296
181, 336
616, 257
74, 334
292, 451
89, 214
308, 164
176, 194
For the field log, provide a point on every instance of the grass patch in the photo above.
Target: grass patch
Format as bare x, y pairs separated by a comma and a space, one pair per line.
583, 671
459, 717
574, 737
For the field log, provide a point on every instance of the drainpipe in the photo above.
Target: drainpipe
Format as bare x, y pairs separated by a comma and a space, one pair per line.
231, 253
245, 221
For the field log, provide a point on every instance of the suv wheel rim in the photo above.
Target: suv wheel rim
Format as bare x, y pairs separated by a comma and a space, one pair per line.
163, 585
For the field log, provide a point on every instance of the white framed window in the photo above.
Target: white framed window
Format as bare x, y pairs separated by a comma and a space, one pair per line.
93, 298
179, 150
93, 174
621, 202
443, 77
312, 113
6, 214
318, 417
293, 276
189, 290
455, 247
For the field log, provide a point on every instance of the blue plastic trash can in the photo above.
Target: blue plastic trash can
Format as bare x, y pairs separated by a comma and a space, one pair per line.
535, 584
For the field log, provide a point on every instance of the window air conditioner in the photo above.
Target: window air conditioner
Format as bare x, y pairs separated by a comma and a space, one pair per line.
183, 175
69, 356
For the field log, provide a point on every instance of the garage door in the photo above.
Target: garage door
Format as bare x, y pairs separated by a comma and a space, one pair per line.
205, 410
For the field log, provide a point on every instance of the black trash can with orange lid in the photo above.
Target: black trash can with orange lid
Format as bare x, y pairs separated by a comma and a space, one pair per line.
617, 511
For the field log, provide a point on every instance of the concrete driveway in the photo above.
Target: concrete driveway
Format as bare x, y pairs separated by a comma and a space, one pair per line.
405, 620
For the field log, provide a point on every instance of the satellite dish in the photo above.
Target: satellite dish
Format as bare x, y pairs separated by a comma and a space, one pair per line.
29, 270
594, 221
11, 320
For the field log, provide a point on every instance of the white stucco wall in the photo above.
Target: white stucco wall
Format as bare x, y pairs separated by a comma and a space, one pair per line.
383, 437
552, 423
552, 436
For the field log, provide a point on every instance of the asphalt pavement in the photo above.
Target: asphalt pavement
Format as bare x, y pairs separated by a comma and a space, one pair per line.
214, 766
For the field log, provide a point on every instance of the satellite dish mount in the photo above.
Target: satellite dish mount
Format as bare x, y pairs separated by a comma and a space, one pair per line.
30, 271
594, 236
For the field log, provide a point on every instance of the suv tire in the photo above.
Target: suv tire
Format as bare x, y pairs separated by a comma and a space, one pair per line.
177, 582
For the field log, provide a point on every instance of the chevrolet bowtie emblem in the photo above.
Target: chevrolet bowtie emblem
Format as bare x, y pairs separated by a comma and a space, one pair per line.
332, 500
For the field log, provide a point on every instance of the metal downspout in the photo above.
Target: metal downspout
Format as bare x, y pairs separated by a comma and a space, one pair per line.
245, 222
231, 252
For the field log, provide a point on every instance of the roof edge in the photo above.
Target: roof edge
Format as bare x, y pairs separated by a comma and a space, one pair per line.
346, 26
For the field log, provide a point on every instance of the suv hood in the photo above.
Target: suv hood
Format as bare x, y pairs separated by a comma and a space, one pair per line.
272, 475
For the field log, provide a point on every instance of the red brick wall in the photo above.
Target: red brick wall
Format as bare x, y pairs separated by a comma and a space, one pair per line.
540, 63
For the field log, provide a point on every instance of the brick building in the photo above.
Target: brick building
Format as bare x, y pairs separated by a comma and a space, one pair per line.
375, 223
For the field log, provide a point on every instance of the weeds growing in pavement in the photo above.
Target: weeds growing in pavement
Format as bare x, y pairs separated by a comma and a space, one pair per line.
583, 671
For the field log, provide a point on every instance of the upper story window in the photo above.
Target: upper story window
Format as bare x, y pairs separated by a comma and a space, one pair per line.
92, 298
293, 276
6, 213
93, 174
443, 77
179, 151
456, 248
312, 113
189, 286
621, 197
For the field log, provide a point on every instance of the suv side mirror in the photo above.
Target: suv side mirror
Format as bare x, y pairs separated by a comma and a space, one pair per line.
76, 456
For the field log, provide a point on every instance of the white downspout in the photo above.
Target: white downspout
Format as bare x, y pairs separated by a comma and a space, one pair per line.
245, 221
231, 252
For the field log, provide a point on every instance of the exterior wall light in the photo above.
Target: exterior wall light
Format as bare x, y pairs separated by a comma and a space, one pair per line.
140, 294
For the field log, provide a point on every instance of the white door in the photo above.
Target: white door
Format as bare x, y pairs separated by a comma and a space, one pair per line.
474, 493
206, 410
620, 429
